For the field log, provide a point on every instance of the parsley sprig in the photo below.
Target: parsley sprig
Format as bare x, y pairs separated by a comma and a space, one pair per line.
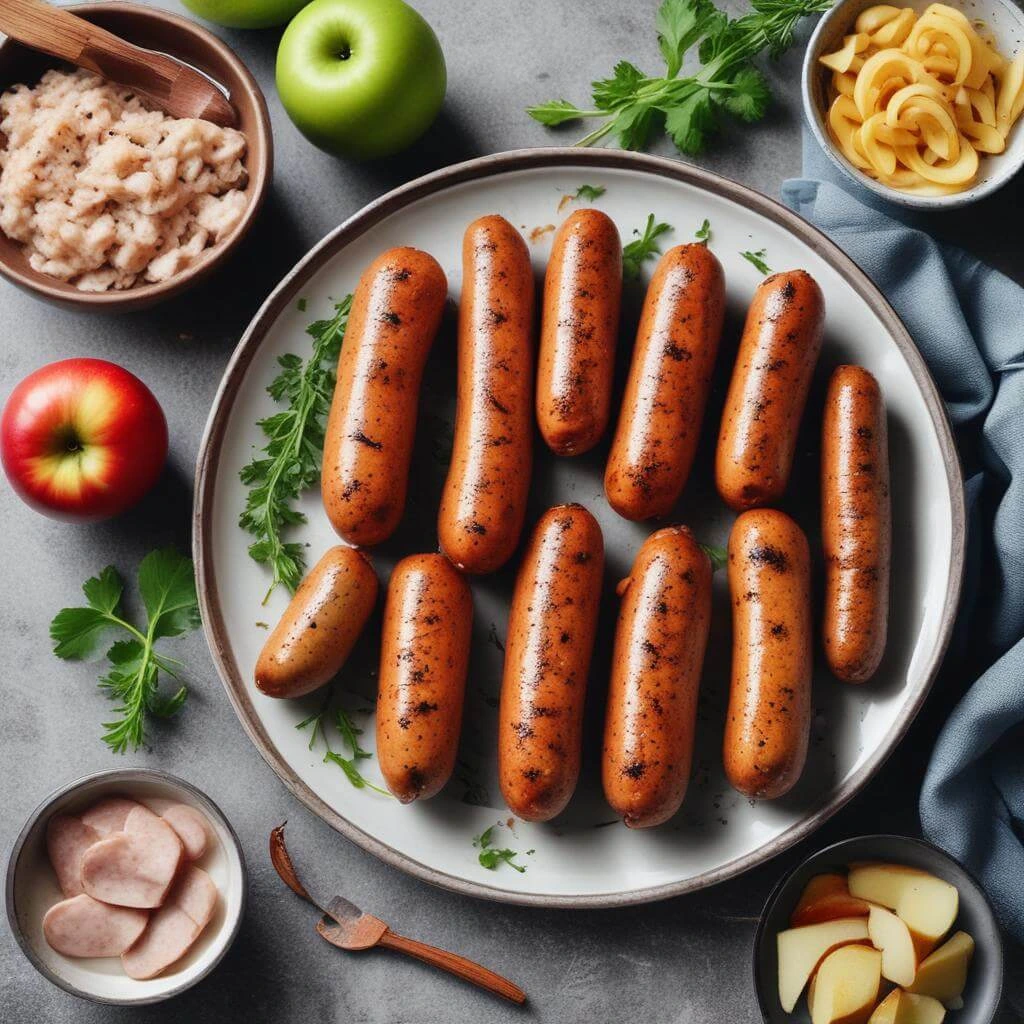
757, 259
490, 856
289, 463
168, 589
634, 106
350, 734
644, 247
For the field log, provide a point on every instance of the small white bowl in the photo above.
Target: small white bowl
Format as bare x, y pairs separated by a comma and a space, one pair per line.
1003, 18
32, 889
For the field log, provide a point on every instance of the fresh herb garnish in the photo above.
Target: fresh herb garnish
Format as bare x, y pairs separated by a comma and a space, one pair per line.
290, 461
703, 233
301, 305
757, 258
167, 586
719, 556
634, 106
349, 733
490, 857
643, 247
590, 192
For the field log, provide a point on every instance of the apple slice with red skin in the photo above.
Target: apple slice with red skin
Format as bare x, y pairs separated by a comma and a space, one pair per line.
827, 898
82, 439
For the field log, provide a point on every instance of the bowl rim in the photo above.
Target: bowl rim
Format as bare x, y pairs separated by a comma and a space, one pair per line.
872, 837
260, 178
115, 775
814, 119
365, 219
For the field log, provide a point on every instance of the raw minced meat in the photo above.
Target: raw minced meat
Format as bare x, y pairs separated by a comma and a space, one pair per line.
106, 193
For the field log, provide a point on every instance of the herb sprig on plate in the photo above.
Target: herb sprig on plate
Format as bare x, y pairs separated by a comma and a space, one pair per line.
644, 247
349, 733
491, 856
289, 462
167, 587
634, 107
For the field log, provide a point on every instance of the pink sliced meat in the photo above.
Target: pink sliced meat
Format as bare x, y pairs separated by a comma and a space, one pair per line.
194, 893
67, 839
134, 868
191, 827
109, 814
82, 926
168, 938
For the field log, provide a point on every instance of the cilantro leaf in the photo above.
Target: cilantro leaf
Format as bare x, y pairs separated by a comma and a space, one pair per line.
719, 556
290, 460
703, 233
555, 112
643, 248
758, 260
590, 192
167, 584
168, 590
691, 122
611, 93
679, 24
749, 98
490, 857
634, 125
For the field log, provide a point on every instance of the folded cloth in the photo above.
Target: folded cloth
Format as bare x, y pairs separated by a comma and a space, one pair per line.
968, 321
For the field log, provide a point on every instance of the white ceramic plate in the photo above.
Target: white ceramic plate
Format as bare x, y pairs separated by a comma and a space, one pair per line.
584, 857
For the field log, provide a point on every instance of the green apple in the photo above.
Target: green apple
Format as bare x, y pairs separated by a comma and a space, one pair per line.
360, 78
246, 13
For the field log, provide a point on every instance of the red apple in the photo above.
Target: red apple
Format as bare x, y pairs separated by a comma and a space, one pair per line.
82, 439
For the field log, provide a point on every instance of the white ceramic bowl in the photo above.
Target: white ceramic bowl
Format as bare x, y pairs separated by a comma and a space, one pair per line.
32, 889
1003, 18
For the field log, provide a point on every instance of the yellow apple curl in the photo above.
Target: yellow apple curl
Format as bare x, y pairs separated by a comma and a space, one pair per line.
915, 100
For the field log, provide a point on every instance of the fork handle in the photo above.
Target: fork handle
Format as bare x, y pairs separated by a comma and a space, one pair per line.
454, 964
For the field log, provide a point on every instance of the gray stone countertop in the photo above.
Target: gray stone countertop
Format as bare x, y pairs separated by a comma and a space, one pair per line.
685, 961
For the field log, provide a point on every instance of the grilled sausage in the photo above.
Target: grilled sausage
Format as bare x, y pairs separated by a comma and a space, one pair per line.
579, 328
320, 626
856, 524
428, 621
768, 390
652, 698
484, 499
395, 315
769, 714
668, 385
550, 639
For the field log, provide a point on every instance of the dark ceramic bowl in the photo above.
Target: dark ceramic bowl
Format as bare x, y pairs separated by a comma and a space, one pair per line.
985, 975
166, 33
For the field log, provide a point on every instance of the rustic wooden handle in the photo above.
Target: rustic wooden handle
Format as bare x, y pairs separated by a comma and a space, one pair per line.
454, 964
174, 86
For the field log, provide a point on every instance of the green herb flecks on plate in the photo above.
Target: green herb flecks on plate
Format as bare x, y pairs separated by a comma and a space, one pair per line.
758, 260
644, 247
167, 586
491, 857
289, 463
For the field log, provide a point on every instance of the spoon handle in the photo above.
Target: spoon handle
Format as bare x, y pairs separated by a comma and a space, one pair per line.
62, 34
454, 964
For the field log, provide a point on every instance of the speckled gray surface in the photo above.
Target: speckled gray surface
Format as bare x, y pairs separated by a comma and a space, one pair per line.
686, 960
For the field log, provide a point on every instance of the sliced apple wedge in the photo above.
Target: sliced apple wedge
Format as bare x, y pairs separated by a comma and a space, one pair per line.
800, 951
890, 935
846, 986
901, 1007
927, 904
827, 898
886, 1011
943, 974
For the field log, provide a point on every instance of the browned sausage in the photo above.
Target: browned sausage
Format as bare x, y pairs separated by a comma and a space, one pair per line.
551, 630
668, 385
579, 328
652, 698
320, 626
768, 390
769, 714
856, 523
484, 499
370, 431
428, 620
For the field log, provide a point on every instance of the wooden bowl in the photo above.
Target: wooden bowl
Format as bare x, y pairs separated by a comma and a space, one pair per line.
167, 33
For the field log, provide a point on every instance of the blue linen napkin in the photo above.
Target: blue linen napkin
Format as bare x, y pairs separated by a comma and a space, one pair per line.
968, 321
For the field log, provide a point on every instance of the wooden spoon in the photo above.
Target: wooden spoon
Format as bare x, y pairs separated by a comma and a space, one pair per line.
344, 925
174, 87
347, 927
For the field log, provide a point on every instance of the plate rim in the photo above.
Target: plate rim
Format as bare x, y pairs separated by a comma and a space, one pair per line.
484, 167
